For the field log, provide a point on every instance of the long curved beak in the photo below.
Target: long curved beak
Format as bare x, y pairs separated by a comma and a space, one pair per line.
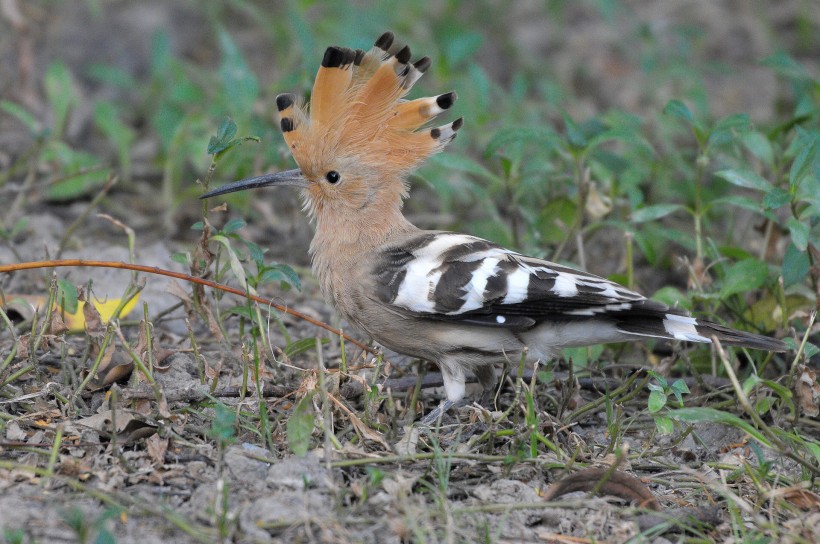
288, 177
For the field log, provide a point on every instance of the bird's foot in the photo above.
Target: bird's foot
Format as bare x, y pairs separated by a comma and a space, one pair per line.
434, 417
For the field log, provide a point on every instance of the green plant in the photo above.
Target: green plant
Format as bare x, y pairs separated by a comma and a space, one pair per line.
659, 398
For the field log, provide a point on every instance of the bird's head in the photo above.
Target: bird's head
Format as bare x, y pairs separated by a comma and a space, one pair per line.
359, 138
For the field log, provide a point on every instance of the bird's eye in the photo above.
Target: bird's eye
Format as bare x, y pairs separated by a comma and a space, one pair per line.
333, 177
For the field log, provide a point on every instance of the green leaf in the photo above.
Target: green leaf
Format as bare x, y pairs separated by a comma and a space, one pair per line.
679, 386
243, 311
106, 117
67, 296
799, 232
282, 273
222, 425
764, 405
257, 253
233, 259
745, 178
462, 45
657, 400
672, 296
81, 173
710, 415
804, 163
727, 128
759, 146
787, 67
542, 137
575, 136
776, 198
814, 448
581, 356
651, 213
233, 225
181, 257
811, 350
302, 346
555, 219
224, 135
111, 75
750, 383
462, 163
239, 82
795, 266
22, 115
738, 200
60, 93
743, 276
161, 57
77, 184
662, 383
678, 109
664, 425
300, 426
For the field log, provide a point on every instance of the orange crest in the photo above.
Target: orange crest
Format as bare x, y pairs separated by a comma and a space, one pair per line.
357, 113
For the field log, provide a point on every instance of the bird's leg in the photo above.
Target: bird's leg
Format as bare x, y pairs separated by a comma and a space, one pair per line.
435, 415
452, 374
488, 380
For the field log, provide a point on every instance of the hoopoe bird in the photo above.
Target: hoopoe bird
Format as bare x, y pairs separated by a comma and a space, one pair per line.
453, 299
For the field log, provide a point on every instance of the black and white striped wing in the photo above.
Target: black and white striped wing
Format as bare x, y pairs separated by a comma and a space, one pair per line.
463, 279
456, 277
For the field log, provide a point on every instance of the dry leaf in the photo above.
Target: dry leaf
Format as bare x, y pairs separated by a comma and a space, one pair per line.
27, 305
598, 204
14, 433
113, 368
213, 325
616, 483
408, 443
807, 391
93, 321
163, 409
175, 289
212, 372
57, 326
156, 447
801, 498
399, 486
22, 346
366, 431
130, 425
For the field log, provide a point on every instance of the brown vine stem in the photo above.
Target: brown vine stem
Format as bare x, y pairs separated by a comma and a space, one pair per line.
7, 268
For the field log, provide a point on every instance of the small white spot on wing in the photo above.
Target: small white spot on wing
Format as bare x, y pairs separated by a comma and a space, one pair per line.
500, 319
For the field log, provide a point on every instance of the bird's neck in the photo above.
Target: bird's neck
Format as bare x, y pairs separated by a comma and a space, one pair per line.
343, 241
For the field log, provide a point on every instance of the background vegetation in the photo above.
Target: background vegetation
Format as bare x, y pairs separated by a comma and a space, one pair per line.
672, 147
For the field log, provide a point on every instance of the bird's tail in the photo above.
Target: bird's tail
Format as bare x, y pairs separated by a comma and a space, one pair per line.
655, 320
742, 339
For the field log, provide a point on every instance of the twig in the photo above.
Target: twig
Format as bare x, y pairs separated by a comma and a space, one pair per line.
178, 275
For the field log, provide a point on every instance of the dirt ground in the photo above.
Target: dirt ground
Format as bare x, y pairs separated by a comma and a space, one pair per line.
144, 465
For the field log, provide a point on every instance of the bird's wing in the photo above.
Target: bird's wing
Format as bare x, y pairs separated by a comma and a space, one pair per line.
458, 277
464, 279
